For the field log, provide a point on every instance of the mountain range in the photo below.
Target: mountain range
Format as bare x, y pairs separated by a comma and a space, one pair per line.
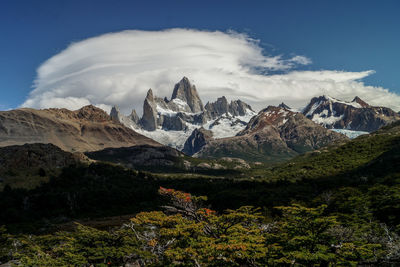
221, 129
214, 130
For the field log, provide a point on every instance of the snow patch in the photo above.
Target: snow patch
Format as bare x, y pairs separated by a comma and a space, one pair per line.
313, 108
175, 139
353, 104
324, 120
350, 133
180, 103
165, 112
229, 126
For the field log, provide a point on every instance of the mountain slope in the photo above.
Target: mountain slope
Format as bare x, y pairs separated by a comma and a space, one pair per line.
368, 156
356, 115
31, 164
152, 158
274, 135
86, 129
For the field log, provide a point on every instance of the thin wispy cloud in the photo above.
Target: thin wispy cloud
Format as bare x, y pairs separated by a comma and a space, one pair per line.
119, 68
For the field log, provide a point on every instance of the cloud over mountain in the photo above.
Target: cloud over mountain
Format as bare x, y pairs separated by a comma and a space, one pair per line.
118, 69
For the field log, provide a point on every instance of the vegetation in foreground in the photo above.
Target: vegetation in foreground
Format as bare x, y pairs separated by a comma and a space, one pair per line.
353, 190
189, 234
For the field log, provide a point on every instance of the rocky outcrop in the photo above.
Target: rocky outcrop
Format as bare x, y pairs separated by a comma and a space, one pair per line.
129, 121
355, 115
274, 135
239, 108
197, 140
222, 107
86, 129
283, 105
187, 92
134, 117
149, 118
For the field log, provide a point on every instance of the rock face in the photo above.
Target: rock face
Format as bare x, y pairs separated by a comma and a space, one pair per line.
86, 129
149, 119
134, 117
355, 115
199, 138
187, 93
221, 107
275, 134
130, 121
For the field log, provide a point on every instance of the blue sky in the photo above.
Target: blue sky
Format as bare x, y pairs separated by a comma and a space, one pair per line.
335, 35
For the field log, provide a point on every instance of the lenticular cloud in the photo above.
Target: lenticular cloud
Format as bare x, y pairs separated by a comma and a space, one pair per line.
118, 69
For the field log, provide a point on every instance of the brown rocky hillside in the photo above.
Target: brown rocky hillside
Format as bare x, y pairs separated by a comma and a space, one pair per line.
86, 129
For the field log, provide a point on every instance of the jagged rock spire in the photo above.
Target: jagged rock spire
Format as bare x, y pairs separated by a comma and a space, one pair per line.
187, 92
134, 116
149, 119
114, 114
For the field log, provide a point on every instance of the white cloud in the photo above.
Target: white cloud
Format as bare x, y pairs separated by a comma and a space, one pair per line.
119, 68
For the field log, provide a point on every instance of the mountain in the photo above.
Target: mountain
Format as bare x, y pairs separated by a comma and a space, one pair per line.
275, 134
221, 107
172, 121
356, 115
86, 129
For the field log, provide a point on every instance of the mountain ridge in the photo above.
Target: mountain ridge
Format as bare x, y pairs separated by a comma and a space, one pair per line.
355, 115
86, 129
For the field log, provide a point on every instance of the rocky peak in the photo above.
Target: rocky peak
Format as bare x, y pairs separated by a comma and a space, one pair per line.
239, 108
361, 102
115, 114
134, 117
130, 121
93, 114
274, 116
217, 108
283, 105
149, 118
221, 107
187, 92
150, 96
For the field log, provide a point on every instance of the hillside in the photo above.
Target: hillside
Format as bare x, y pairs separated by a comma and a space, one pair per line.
30, 164
86, 129
275, 134
365, 157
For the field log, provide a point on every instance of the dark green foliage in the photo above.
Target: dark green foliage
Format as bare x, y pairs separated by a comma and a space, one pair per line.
191, 235
6, 247
84, 246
